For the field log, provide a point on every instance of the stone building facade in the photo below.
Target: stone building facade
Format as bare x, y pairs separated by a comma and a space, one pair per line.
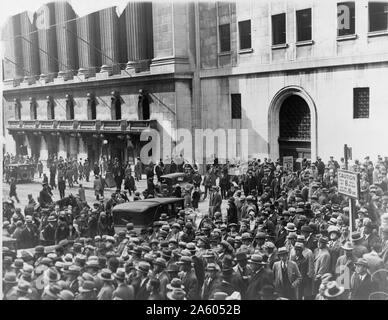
304, 77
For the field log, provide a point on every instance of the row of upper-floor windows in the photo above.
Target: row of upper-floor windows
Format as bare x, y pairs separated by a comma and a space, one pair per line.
346, 25
360, 104
115, 108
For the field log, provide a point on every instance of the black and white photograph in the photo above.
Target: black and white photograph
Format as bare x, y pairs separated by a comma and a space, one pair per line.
194, 150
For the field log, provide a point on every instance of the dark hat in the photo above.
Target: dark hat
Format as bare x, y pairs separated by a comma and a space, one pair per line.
143, 267
261, 235
24, 287
323, 240
39, 249
257, 259
18, 264
240, 256
87, 286
53, 275
175, 283
306, 229
282, 250
172, 267
356, 236
166, 253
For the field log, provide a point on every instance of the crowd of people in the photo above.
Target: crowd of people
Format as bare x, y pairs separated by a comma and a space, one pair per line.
282, 235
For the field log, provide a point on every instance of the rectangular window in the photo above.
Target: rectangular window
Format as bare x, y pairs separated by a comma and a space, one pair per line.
303, 25
236, 105
346, 18
224, 37
279, 29
244, 28
378, 16
33, 110
50, 109
360, 103
18, 110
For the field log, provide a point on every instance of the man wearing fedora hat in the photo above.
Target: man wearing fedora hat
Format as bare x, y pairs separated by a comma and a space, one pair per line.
345, 264
287, 275
260, 276
321, 262
9, 286
215, 201
123, 291
188, 277
161, 274
107, 289
242, 272
211, 282
361, 284
140, 282
359, 249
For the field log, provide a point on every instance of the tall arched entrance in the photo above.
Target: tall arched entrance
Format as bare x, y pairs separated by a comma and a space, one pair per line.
294, 128
292, 124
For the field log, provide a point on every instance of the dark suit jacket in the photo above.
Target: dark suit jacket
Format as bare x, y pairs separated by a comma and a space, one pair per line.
257, 281
362, 289
216, 202
191, 285
209, 288
140, 290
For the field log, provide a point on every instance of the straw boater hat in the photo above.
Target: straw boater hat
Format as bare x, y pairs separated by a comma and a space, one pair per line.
176, 294
333, 290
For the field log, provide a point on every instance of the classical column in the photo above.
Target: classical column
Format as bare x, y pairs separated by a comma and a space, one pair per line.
109, 39
82, 149
29, 48
87, 59
45, 17
13, 64
62, 152
66, 41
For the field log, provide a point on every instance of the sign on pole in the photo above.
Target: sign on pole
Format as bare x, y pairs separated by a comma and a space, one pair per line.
288, 163
349, 183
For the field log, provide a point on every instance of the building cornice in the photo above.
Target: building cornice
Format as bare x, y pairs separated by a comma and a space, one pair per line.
92, 83
304, 65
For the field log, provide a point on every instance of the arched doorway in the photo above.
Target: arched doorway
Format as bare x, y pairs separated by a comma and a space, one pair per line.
292, 124
294, 128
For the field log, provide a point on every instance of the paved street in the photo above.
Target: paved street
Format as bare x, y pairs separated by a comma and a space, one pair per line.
23, 189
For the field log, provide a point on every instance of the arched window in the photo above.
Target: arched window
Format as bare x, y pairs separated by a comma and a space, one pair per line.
116, 106
33, 109
50, 108
69, 107
18, 109
92, 106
